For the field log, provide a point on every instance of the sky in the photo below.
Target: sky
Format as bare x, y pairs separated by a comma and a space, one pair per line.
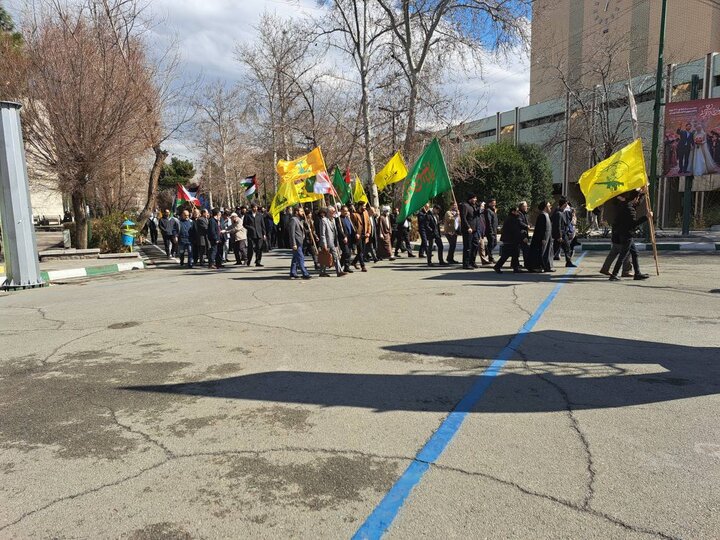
208, 31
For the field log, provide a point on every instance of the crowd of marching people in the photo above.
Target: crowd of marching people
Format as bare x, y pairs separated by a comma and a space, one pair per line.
345, 238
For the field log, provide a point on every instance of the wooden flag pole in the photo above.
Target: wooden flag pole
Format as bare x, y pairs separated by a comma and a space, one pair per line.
651, 224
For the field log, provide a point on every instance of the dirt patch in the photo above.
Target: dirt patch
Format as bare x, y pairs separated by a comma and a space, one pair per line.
318, 484
240, 350
71, 409
123, 325
96, 354
229, 368
189, 426
407, 358
287, 418
160, 531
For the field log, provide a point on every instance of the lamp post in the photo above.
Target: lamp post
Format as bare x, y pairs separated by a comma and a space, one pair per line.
658, 104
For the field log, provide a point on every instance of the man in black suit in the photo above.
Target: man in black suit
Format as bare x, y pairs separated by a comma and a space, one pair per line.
626, 221
254, 222
561, 230
468, 226
216, 238
432, 232
491, 227
512, 237
685, 144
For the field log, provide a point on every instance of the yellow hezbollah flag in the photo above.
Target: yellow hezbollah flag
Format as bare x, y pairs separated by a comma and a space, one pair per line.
287, 195
303, 167
359, 192
621, 172
304, 194
394, 171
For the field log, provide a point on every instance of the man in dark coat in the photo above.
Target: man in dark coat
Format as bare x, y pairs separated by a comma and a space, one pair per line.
282, 231
346, 238
560, 232
685, 145
432, 232
511, 239
623, 227
216, 238
468, 227
525, 226
254, 222
421, 217
540, 252
491, 227
296, 237
169, 228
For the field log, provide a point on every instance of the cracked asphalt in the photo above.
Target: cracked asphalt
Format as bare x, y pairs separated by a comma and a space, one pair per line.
238, 404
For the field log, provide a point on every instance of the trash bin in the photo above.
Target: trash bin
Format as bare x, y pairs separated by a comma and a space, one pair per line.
128, 234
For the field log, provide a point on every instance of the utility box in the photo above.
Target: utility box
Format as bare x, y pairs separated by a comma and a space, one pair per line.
22, 269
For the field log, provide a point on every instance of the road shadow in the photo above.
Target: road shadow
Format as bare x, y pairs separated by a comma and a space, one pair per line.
586, 369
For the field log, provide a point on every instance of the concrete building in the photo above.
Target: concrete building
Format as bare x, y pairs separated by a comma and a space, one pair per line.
570, 37
550, 125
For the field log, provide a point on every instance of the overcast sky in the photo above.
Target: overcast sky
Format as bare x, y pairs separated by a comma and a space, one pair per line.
209, 29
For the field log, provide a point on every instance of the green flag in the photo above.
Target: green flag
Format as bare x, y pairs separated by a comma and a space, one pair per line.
428, 178
342, 188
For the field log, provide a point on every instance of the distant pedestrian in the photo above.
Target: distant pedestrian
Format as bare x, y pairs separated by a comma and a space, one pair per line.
186, 232
451, 224
540, 252
256, 234
216, 239
491, 227
296, 237
511, 239
432, 233
623, 227
169, 230
238, 238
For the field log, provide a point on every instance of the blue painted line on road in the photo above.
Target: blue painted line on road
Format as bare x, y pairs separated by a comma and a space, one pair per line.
379, 521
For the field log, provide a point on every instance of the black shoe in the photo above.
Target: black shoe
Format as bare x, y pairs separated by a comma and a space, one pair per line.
294, 277
475, 266
258, 264
307, 277
442, 263
431, 264
411, 255
518, 270
570, 265
466, 267
639, 277
324, 274
497, 269
349, 271
613, 277
556, 258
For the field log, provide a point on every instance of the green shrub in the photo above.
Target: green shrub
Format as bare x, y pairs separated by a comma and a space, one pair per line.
107, 233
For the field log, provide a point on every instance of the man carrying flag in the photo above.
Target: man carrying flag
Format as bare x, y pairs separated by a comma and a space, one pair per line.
617, 175
287, 195
359, 192
428, 178
183, 195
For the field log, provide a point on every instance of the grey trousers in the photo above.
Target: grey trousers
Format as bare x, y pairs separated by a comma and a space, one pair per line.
615, 250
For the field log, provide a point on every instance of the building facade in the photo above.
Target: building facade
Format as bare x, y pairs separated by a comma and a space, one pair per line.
554, 124
570, 38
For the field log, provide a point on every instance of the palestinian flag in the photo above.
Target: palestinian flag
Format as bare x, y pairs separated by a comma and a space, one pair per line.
184, 195
320, 183
250, 185
348, 179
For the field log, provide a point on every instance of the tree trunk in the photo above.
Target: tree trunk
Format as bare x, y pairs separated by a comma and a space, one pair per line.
410, 131
80, 215
160, 157
367, 135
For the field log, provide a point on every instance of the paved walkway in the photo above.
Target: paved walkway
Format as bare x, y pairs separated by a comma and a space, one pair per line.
239, 404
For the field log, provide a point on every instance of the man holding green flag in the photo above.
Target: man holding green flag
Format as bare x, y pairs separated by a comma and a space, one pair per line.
342, 187
428, 178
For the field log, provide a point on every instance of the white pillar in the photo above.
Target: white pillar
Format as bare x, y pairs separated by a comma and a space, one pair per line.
22, 269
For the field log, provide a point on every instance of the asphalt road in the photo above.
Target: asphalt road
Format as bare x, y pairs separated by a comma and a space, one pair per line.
240, 404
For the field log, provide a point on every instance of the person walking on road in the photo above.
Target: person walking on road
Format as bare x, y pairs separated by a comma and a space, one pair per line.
511, 239
468, 225
296, 238
254, 222
329, 240
169, 231
540, 252
432, 233
238, 238
623, 227
491, 227
186, 232
451, 224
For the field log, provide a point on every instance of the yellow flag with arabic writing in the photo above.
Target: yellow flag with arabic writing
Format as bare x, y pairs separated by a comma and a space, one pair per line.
359, 192
394, 171
302, 167
287, 195
621, 172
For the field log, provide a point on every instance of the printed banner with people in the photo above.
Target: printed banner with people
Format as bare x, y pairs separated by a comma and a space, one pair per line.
691, 145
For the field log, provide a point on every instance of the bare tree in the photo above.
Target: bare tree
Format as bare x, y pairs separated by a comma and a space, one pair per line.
82, 101
219, 121
424, 30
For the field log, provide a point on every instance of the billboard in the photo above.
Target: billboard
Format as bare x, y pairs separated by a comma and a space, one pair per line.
691, 143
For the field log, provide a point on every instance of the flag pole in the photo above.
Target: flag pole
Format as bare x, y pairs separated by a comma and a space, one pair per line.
651, 226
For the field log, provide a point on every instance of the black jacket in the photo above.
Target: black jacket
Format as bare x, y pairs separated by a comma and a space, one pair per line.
255, 226
491, 223
524, 225
512, 230
560, 222
626, 221
214, 234
468, 217
432, 225
422, 220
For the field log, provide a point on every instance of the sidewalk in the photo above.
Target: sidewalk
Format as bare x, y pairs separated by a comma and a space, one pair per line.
55, 271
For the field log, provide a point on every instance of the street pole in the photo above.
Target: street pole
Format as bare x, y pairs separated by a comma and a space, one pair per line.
687, 193
658, 104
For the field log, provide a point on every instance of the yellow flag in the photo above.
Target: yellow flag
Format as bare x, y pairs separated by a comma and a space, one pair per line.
287, 195
303, 167
621, 172
304, 194
359, 192
394, 171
